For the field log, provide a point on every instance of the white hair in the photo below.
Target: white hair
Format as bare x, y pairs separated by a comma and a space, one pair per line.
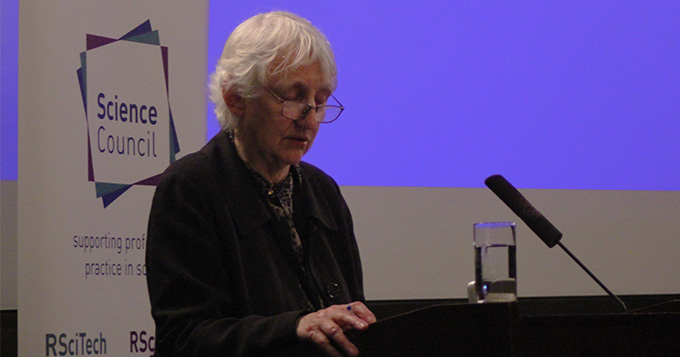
261, 47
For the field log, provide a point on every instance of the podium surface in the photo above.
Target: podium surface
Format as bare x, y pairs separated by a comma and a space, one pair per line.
498, 330
647, 332
443, 330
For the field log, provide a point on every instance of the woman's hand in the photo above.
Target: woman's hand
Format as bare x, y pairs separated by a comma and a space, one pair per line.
326, 327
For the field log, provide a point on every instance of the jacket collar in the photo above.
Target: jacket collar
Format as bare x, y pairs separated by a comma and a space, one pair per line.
315, 206
241, 187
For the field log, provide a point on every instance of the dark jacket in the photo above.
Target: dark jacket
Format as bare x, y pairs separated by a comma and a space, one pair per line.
222, 275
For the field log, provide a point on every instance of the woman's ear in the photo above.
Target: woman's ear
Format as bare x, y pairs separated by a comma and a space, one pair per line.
235, 102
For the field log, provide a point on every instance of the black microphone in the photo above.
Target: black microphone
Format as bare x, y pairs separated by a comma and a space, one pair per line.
522, 208
537, 222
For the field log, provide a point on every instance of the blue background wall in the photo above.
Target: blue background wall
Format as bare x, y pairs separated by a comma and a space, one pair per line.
567, 95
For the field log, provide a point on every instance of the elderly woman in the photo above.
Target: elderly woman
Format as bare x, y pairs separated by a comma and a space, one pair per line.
250, 250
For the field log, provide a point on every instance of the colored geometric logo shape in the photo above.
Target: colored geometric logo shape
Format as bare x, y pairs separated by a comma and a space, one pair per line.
142, 34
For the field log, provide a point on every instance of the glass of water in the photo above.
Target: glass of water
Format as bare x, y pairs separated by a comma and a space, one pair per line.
495, 261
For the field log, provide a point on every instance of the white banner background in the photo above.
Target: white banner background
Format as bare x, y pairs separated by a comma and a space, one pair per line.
57, 302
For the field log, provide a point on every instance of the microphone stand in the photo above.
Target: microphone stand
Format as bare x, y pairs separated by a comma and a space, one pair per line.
537, 222
619, 301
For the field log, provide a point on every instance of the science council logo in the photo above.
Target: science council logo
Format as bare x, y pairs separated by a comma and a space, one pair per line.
124, 85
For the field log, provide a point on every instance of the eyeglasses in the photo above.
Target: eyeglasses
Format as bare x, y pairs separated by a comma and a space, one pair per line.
295, 110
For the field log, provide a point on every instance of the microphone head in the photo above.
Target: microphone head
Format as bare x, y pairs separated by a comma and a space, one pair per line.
524, 210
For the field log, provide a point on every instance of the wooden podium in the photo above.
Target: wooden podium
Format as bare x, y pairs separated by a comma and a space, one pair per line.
497, 330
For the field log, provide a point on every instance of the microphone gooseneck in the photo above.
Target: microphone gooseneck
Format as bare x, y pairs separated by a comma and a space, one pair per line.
537, 222
619, 301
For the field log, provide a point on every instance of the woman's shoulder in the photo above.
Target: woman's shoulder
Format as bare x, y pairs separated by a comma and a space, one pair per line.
315, 174
202, 163
319, 182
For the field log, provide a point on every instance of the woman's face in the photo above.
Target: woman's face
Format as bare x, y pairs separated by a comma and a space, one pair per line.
269, 142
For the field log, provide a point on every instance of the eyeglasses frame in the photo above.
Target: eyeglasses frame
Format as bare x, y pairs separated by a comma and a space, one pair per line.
308, 108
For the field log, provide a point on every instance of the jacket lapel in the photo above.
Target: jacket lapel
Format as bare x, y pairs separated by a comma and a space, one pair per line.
315, 205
